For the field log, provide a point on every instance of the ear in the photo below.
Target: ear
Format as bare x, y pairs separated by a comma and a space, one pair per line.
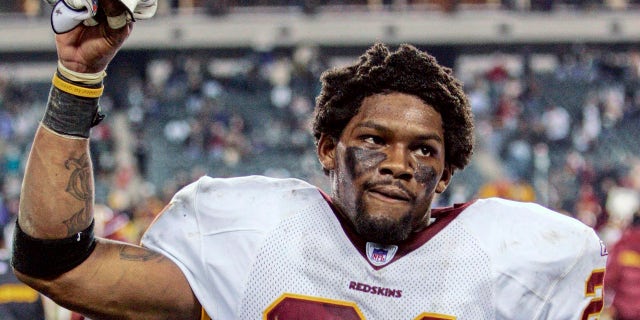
445, 179
327, 152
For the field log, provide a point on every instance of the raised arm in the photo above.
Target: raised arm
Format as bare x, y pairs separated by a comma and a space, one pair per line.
54, 248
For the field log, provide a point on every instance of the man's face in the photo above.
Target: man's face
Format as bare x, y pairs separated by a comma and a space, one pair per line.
387, 165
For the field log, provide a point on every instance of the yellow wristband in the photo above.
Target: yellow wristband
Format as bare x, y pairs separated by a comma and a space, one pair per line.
76, 90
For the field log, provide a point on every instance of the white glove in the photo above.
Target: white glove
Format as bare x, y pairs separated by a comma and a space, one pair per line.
67, 14
141, 9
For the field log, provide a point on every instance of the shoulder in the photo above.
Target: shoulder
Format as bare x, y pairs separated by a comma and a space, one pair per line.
528, 231
232, 190
251, 202
254, 181
538, 257
206, 185
246, 190
209, 193
497, 211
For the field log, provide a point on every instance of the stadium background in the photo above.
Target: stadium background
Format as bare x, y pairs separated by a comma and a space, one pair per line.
226, 88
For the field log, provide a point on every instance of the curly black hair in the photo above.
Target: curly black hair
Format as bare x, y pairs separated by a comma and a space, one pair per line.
408, 70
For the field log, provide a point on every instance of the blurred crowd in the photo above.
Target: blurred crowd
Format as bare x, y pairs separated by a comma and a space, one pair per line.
38, 8
561, 136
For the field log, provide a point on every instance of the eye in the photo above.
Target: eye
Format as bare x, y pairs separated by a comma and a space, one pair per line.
426, 151
370, 139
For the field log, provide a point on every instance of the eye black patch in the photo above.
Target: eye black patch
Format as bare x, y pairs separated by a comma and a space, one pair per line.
360, 160
426, 176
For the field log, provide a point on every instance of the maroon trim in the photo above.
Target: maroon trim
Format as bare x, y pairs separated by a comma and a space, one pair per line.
443, 216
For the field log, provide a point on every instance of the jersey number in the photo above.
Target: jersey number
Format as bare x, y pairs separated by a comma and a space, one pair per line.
595, 281
291, 306
299, 307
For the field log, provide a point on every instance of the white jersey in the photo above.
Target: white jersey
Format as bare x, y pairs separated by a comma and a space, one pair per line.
264, 248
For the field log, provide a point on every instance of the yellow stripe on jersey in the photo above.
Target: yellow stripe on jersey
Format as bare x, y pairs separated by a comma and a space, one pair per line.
434, 316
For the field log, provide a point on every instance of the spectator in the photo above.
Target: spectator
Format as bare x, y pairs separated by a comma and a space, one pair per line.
622, 278
556, 121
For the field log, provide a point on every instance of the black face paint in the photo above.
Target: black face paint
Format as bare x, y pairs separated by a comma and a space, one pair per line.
427, 177
376, 228
359, 161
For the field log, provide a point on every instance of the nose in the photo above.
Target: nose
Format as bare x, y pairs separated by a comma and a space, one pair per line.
399, 163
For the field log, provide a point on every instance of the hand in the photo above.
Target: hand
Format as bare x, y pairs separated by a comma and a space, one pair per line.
90, 49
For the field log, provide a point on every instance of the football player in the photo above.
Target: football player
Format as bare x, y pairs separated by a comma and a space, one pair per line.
391, 130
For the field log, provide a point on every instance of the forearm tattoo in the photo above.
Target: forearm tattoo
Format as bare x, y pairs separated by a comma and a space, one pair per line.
79, 187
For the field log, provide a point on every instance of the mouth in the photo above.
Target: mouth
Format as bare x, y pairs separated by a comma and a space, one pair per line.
389, 193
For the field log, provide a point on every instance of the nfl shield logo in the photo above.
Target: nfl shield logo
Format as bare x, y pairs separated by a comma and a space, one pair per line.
380, 255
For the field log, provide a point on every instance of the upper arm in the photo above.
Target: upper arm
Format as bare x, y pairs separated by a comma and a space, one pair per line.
579, 294
123, 281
